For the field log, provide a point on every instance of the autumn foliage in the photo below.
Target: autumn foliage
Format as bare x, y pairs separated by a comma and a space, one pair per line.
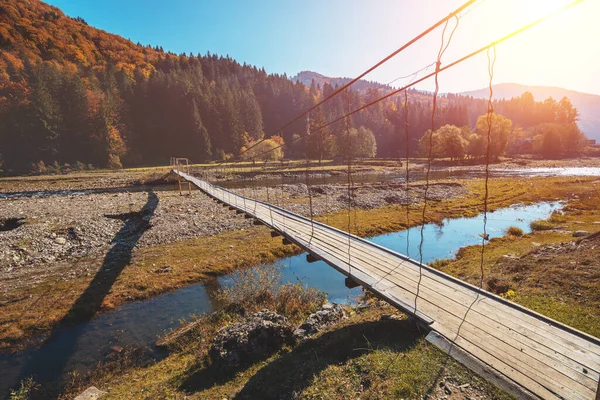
74, 94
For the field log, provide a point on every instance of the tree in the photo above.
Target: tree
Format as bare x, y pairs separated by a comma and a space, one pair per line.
447, 141
267, 150
452, 144
365, 145
200, 136
320, 143
499, 133
552, 140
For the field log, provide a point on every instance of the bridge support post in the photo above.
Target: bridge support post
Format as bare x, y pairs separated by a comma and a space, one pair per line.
286, 241
275, 234
311, 258
350, 283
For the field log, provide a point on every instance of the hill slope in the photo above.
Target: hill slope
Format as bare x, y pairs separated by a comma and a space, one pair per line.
587, 104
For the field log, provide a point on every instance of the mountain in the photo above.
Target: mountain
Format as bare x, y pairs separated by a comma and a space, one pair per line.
587, 104
307, 77
74, 95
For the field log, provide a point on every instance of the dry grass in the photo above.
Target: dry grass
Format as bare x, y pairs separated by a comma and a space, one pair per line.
514, 231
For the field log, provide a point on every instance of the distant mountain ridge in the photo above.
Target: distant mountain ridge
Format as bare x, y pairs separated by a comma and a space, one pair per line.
587, 104
306, 77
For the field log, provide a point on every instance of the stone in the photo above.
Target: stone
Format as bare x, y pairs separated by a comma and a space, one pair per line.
256, 337
392, 317
60, 240
91, 393
329, 314
580, 233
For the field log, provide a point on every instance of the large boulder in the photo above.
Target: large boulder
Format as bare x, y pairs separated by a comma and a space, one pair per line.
255, 338
329, 314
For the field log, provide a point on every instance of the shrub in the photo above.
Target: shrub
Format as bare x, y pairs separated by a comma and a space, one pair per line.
39, 168
261, 287
514, 231
540, 225
25, 391
558, 216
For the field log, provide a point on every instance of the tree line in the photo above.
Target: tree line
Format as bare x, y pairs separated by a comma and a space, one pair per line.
74, 95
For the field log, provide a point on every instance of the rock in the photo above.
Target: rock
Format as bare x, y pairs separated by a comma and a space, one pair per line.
60, 240
329, 314
580, 233
163, 269
498, 285
256, 337
91, 393
392, 317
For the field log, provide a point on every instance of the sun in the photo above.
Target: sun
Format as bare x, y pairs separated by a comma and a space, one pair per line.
535, 9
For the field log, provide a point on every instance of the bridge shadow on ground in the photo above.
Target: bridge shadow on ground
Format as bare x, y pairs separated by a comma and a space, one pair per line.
49, 362
293, 372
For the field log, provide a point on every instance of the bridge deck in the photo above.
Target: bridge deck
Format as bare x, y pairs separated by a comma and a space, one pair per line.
524, 352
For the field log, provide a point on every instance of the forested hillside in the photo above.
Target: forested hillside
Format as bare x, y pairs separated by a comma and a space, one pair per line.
73, 94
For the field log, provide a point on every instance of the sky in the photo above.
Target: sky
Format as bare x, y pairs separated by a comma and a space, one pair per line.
342, 38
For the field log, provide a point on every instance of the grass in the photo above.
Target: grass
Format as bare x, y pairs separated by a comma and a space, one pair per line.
514, 231
365, 356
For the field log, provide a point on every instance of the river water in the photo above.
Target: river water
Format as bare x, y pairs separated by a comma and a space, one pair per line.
80, 347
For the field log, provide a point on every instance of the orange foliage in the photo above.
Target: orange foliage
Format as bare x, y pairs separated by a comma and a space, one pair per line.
38, 31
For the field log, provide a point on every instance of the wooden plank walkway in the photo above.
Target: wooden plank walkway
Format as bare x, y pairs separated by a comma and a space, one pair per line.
526, 353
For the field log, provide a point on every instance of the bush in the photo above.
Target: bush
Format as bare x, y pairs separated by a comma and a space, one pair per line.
514, 231
558, 216
540, 225
39, 168
260, 287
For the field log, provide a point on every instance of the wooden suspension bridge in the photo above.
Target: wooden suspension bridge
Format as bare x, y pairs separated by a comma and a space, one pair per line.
522, 351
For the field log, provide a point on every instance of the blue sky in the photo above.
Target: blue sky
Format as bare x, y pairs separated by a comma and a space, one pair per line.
344, 37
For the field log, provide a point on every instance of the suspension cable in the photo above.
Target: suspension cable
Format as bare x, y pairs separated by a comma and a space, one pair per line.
406, 180
484, 237
350, 183
443, 48
308, 188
